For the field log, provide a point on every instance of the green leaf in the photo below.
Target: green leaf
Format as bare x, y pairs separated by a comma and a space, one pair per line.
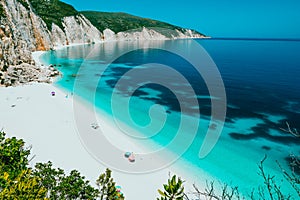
173, 190
161, 193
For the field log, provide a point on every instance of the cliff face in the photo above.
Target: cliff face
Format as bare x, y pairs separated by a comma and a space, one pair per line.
148, 34
77, 29
145, 34
22, 31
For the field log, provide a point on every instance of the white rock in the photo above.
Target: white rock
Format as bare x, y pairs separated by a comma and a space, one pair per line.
80, 30
58, 36
109, 35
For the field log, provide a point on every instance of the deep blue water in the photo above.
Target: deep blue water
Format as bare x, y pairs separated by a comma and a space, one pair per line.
261, 80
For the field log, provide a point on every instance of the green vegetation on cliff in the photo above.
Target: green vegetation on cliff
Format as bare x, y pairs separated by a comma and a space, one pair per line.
2, 12
52, 11
24, 3
118, 22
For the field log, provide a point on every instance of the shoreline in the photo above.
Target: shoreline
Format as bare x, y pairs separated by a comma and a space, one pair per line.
50, 130
208, 169
68, 147
50, 136
37, 54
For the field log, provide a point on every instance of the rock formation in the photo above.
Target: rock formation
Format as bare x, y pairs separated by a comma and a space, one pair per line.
22, 32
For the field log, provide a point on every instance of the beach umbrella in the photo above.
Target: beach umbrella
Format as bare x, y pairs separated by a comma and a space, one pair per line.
131, 158
118, 188
53, 93
127, 154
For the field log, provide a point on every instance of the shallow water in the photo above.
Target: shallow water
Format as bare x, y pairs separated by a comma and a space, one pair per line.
261, 80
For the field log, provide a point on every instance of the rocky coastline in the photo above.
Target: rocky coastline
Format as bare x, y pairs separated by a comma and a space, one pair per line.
22, 32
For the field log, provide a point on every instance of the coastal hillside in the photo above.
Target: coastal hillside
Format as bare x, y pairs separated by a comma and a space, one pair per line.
53, 11
40, 25
123, 22
57, 13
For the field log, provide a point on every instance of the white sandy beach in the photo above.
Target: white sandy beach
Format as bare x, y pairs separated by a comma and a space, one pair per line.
47, 123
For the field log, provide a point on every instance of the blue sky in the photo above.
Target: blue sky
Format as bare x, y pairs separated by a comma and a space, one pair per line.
217, 18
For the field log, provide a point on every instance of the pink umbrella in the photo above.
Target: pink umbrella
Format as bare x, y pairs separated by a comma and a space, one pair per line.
131, 158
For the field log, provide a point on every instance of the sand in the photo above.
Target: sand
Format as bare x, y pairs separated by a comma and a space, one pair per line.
47, 124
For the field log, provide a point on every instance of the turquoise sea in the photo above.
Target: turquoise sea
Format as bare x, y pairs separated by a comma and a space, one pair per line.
262, 83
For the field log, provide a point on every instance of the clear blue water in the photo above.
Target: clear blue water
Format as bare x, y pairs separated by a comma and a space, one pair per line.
263, 92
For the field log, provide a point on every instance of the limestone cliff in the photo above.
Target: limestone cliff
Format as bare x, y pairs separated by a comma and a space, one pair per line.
21, 32
149, 34
77, 29
25, 26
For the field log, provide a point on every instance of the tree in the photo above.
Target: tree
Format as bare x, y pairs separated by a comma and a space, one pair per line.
107, 187
13, 155
75, 186
270, 189
227, 192
50, 178
23, 186
18, 181
174, 190
61, 186
290, 130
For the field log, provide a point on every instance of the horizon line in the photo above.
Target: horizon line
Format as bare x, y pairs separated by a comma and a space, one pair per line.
255, 38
